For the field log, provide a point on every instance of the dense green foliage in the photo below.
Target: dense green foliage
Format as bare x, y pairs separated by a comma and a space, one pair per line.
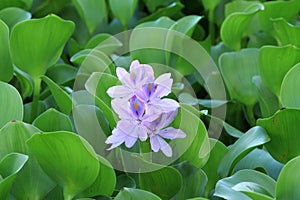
58, 58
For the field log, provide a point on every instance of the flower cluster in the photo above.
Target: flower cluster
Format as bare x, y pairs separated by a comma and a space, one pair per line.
142, 111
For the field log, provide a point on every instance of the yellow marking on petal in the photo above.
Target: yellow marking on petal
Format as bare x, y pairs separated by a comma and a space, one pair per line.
133, 74
136, 106
149, 86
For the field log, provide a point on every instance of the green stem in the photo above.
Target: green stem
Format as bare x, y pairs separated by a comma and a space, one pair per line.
145, 150
250, 115
36, 97
211, 25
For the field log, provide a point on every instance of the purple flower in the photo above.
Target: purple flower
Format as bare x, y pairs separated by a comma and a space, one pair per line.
142, 111
158, 132
138, 76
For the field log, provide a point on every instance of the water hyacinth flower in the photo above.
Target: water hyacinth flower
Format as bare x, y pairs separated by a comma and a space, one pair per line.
142, 110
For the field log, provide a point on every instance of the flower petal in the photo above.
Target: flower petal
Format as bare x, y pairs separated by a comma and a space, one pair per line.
130, 141
157, 143
133, 129
116, 139
171, 133
124, 77
122, 108
119, 91
165, 105
164, 83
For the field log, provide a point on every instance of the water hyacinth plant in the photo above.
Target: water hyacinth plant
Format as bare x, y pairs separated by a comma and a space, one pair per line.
142, 110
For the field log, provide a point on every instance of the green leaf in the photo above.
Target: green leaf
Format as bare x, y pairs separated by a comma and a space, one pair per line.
275, 9
210, 4
288, 181
165, 182
124, 181
10, 165
237, 69
289, 93
65, 149
91, 124
254, 137
52, 120
268, 101
283, 128
104, 42
187, 24
6, 66
123, 10
193, 181
31, 182
187, 98
104, 183
218, 150
153, 5
26, 4
169, 11
99, 83
62, 99
246, 181
286, 33
195, 145
136, 194
92, 12
274, 63
12, 16
35, 51
25, 81
11, 107
236, 26
28, 110
62, 73
259, 158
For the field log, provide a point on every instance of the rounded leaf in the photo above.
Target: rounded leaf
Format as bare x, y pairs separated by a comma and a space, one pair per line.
6, 66
37, 44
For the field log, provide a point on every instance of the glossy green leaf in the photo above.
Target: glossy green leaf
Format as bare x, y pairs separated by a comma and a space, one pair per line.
10, 165
239, 6
187, 24
210, 4
254, 137
62, 99
165, 182
289, 93
26, 4
153, 5
275, 9
187, 98
31, 182
268, 101
65, 149
52, 120
235, 26
28, 110
91, 124
25, 81
12, 16
11, 107
34, 51
246, 181
47, 7
286, 33
195, 145
288, 181
237, 69
123, 10
99, 83
260, 159
193, 181
104, 42
105, 181
169, 11
93, 12
274, 63
6, 66
62, 73
125, 181
283, 128
136, 194
218, 150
